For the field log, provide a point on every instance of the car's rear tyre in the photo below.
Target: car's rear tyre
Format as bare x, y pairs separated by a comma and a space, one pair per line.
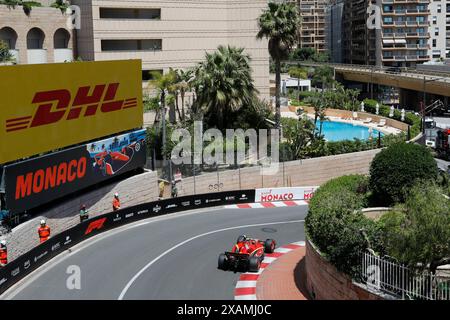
269, 246
240, 239
223, 262
254, 263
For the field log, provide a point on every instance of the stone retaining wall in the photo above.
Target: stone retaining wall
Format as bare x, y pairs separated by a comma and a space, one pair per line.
308, 172
325, 282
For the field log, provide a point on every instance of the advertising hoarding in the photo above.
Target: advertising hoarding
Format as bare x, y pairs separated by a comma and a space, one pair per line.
284, 194
50, 106
36, 181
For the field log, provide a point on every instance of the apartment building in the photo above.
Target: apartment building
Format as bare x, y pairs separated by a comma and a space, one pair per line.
359, 43
311, 33
41, 36
333, 30
439, 41
405, 32
404, 40
175, 34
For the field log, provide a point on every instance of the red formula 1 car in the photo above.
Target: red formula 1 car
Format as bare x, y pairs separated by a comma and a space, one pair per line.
247, 254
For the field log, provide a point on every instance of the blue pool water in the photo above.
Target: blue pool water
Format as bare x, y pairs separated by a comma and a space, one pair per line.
337, 131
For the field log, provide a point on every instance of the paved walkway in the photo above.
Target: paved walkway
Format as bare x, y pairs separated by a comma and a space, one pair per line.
284, 279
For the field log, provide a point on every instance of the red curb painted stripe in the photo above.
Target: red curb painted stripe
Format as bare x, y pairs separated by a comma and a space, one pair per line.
267, 204
244, 206
289, 203
244, 291
291, 246
255, 277
274, 255
249, 277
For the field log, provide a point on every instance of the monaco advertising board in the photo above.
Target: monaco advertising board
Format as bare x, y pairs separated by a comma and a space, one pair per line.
50, 106
284, 194
36, 181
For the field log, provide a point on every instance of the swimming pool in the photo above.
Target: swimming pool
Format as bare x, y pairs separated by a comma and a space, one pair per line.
338, 131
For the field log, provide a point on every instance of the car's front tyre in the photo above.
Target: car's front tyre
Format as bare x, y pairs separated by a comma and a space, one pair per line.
269, 246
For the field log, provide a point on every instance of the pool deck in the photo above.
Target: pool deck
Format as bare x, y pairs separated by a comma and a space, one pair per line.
374, 125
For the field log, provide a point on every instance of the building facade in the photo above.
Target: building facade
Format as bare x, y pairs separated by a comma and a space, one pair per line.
405, 32
359, 43
311, 33
401, 35
333, 30
439, 41
172, 34
40, 36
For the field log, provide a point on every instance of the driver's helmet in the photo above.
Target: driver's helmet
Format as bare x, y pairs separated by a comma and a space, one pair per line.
242, 238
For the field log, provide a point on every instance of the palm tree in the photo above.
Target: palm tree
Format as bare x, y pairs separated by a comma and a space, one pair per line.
163, 83
279, 24
223, 84
185, 78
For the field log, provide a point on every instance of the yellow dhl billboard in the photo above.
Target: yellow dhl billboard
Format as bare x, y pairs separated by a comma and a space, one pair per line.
49, 106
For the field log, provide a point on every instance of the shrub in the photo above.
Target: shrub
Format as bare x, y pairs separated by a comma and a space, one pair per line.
396, 169
417, 233
335, 222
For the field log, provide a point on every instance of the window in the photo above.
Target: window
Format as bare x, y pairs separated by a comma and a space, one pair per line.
434, 19
132, 45
436, 31
434, 43
439, 8
130, 13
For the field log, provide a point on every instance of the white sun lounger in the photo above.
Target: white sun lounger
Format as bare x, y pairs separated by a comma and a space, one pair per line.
382, 123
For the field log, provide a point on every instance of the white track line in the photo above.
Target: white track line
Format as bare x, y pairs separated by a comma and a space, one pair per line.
148, 265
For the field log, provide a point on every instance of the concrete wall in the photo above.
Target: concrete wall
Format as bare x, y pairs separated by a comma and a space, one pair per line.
324, 282
309, 172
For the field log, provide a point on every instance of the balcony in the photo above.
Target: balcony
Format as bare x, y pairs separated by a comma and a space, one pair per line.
35, 56
63, 55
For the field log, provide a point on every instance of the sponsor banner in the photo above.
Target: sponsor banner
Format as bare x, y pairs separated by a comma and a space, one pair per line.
284, 194
26, 263
66, 104
36, 181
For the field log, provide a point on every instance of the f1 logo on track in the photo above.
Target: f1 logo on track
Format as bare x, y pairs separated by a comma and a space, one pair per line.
95, 225
54, 105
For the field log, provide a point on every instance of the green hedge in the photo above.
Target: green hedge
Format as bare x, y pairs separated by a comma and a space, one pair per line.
335, 222
397, 168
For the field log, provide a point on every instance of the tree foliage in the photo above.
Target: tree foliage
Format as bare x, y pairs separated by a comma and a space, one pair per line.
417, 232
5, 54
224, 85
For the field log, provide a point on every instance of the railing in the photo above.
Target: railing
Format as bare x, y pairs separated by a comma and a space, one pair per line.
388, 276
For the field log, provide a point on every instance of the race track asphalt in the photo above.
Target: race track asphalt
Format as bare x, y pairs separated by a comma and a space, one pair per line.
186, 270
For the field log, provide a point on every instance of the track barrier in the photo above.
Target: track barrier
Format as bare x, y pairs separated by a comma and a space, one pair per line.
30, 261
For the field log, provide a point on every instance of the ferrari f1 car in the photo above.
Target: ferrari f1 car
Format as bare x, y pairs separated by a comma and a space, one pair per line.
247, 254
